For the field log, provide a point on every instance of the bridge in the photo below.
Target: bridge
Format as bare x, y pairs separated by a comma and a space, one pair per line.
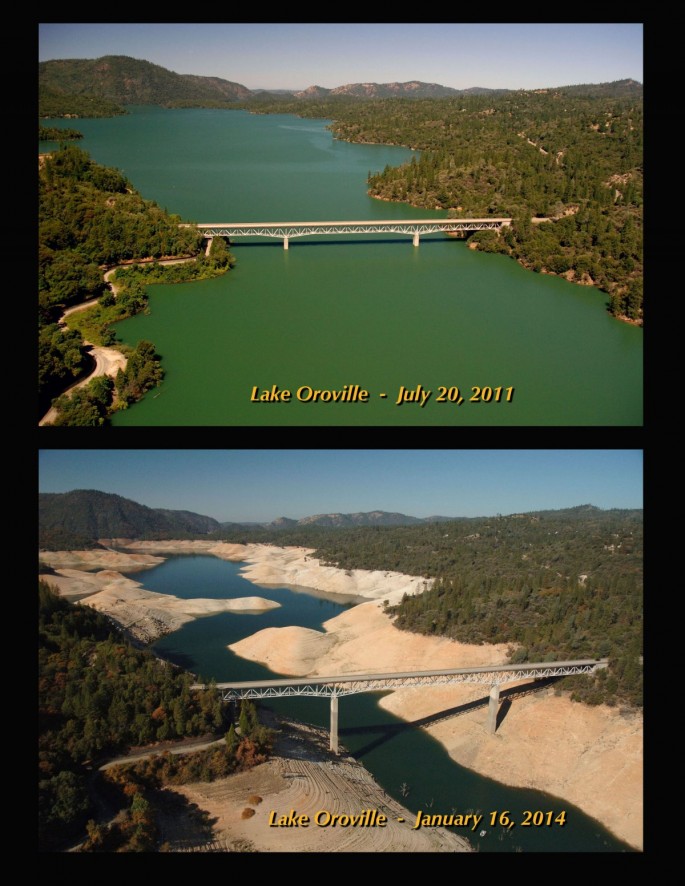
493, 676
288, 230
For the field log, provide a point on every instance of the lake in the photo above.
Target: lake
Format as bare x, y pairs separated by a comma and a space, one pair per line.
367, 310
393, 751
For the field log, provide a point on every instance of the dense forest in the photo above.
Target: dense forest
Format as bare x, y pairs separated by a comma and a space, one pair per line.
566, 164
98, 696
54, 103
117, 80
91, 514
91, 218
55, 134
88, 513
555, 584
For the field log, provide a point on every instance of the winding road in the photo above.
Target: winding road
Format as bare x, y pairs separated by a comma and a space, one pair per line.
108, 361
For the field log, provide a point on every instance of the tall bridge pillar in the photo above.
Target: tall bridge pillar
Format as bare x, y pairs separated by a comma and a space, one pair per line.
334, 724
416, 238
492, 709
210, 240
285, 243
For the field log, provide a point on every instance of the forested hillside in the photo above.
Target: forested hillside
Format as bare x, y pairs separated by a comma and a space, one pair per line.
99, 696
54, 103
91, 514
90, 218
555, 584
53, 133
122, 80
569, 158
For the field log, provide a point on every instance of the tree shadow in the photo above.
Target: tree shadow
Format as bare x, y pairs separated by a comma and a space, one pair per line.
183, 826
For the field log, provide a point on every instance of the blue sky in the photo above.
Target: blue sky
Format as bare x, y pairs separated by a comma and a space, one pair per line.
260, 484
297, 55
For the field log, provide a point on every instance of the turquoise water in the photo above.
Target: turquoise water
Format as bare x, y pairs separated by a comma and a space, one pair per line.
369, 310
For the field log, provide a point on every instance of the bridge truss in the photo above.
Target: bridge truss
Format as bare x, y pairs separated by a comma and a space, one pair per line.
287, 230
493, 676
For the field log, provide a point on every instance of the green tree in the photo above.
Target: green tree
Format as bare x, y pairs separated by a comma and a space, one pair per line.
231, 740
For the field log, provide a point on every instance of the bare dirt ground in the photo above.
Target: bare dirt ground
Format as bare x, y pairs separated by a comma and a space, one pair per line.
303, 776
589, 756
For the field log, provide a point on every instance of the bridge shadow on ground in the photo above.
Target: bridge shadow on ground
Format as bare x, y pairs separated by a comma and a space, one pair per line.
390, 730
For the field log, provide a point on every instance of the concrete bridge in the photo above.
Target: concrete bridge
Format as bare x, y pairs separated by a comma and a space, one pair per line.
493, 676
288, 230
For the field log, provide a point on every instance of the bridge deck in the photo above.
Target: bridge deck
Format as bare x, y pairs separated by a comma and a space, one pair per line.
342, 679
348, 684
289, 230
421, 222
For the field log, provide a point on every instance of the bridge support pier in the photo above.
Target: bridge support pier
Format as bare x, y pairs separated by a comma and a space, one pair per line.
210, 240
285, 243
493, 708
416, 238
334, 724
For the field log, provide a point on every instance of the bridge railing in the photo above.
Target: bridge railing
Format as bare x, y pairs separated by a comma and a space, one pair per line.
288, 230
349, 684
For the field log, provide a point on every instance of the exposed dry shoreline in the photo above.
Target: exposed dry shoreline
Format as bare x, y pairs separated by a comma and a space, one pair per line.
589, 756
304, 776
144, 615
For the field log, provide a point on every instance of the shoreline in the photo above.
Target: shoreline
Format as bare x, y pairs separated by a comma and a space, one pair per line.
589, 756
302, 775
526, 264
108, 360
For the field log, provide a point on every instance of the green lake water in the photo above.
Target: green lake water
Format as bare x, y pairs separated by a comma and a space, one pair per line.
365, 310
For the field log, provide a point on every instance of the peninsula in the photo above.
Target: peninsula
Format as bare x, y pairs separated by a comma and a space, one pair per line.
590, 756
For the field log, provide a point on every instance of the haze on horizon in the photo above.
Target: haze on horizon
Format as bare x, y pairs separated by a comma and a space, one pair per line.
261, 485
298, 55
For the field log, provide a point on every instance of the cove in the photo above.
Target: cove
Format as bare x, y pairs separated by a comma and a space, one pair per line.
365, 310
391, 749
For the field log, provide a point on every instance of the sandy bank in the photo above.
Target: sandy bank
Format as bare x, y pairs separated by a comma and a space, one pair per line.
591, 757
145, 615
197, 546
361, 639
303, 775
267, 565
98, 559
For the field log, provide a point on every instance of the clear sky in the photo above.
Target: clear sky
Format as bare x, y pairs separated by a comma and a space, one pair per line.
261, 485
297, 55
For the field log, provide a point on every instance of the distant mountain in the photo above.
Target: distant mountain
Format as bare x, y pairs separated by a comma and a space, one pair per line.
410, 89
313, 92
370, 518
123, 80
280, 523
69, 518
614, 89
342, 521
77, 519
131, 81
